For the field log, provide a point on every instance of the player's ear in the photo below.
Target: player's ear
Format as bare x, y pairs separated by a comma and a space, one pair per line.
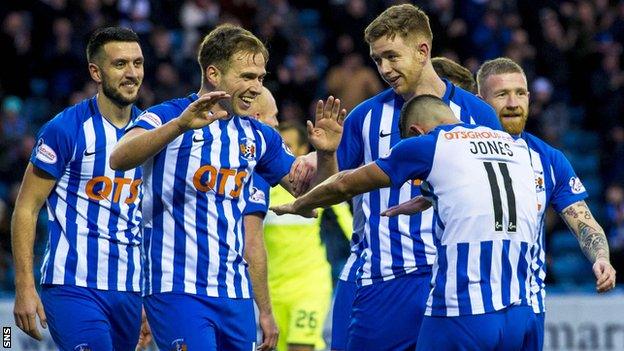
95, 72
213, 75
414, 130
424, 51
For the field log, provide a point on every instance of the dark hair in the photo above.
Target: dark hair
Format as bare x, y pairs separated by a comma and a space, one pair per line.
302, 133
419, 108
456, 73
106, 35
224, 41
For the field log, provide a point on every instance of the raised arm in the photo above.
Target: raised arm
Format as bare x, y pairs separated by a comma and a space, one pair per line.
139, 145
593, 243
35, 189
324, 134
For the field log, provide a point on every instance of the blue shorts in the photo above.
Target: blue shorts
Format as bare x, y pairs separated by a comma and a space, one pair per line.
341, 313
541, 317
196, 322
85, 318
387, 315
510, 329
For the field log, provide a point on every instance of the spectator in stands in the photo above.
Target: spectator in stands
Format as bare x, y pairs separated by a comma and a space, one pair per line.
352, 82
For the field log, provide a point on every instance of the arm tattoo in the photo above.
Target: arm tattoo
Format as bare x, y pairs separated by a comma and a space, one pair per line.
590, 235
593, 242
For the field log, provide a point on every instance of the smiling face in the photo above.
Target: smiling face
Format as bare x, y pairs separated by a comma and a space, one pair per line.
398, 63
507, 93
241, 79
119, 70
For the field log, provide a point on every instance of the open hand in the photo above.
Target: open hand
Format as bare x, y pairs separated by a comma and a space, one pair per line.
326, 131
198, 114
26, 309
270, 333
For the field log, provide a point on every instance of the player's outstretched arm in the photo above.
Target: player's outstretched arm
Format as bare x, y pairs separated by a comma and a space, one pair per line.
593, 242
256, 256
336, 189
139, 145
35, 189
412, 206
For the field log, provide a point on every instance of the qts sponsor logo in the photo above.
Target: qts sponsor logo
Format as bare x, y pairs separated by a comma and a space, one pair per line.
104, 188
223, 181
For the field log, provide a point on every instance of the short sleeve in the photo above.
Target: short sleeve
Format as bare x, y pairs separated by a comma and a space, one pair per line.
350, 153
409, 159
277, 159
54, 148
258, 199
147, 120
568, 186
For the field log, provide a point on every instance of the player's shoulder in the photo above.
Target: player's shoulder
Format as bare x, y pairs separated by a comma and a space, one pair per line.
541, 147
71, 119
171, 108
362, 109
467, 99
459, 95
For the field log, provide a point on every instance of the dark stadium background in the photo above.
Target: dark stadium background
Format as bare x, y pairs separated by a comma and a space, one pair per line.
571, 51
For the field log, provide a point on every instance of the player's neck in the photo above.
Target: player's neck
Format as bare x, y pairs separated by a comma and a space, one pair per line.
118, 115
430, 83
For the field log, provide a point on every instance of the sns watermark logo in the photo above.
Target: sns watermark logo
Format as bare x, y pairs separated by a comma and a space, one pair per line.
6, 337
576, 186
45, 153
247, 148
178, 345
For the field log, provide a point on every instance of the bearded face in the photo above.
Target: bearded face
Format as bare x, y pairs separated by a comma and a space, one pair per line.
507, 93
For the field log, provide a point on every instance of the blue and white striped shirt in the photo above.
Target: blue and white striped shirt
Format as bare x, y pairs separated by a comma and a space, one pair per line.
195, 192
556, 184
93, 211
481, 184
384, 248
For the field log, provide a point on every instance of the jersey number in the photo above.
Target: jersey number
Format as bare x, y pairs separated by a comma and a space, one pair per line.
306, 319
496, 196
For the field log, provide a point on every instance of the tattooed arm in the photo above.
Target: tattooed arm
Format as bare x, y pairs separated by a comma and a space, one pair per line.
593, 242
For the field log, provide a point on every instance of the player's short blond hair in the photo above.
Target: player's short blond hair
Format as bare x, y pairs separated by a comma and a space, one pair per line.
496, 66
404, 20
223, 42
456, 73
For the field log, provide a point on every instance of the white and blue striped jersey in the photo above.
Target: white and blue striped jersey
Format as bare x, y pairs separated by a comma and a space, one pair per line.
556, 184
93, 211
481, 184
384, 248
195, 192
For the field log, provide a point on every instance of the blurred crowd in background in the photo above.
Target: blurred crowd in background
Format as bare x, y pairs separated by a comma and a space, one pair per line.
571, 51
